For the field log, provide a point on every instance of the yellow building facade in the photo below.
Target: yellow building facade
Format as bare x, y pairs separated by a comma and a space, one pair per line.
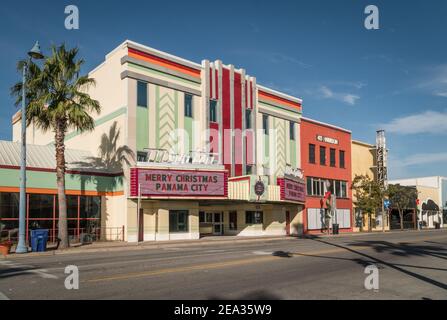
364, 163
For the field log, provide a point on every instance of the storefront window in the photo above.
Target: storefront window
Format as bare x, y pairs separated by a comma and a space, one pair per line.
254, 217
72, 207
90, 207
41, 206
233, 220
9, 205
201, 217
41, 214
178, 221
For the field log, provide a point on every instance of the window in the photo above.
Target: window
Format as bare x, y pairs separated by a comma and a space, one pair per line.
292, 130
249, 169
344, 189
323, 156
142, 94
141, 156
309, 186
209, 218
213, 110
316, 187
178, 221
41, 206
9, 205
332, 157
233, 220
201, 217
90, 207
265, 123
338, 188
342, 159
188, 105
72, 207
253, 217
312, 153
248, 119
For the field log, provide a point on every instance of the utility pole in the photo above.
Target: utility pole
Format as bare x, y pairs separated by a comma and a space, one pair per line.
382, 170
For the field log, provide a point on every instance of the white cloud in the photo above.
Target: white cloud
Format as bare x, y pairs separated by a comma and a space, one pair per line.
348, 98
435, 81
433, 122
423, 159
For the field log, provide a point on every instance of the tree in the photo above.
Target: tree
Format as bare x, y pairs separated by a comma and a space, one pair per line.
402, 198
369, 195
57, 101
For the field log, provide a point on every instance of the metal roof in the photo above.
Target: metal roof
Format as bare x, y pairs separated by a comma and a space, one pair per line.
43, 157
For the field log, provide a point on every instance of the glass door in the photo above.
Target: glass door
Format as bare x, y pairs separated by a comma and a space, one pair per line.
217, 223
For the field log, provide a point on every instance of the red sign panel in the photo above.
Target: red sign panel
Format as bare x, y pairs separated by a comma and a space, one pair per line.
292, 190
178, 183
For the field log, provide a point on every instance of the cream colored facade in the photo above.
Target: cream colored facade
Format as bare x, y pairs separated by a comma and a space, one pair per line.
430, 195
363, 163
116, 90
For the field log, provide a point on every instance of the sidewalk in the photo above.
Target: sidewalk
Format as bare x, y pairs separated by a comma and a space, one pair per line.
97, 247
118, 246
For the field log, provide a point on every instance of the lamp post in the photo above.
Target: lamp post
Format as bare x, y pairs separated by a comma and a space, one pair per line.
34, 53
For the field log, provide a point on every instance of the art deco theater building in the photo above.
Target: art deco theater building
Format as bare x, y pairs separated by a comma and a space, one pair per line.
210, 152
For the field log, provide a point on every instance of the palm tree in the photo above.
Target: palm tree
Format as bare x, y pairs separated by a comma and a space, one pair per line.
57, 101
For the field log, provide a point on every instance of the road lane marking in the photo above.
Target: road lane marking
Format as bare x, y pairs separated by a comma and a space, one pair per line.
27, 269
262, 257
215, 265
3, 296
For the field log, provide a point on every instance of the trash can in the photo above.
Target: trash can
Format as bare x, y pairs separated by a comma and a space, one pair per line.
335, 228
39, 239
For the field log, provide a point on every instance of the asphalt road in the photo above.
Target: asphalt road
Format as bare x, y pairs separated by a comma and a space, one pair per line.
412, 265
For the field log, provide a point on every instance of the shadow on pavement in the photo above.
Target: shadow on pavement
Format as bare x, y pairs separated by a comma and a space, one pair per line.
403, 249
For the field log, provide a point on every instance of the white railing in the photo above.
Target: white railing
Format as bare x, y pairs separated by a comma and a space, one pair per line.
163, 156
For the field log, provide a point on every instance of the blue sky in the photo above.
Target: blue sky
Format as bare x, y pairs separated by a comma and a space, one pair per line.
393, 78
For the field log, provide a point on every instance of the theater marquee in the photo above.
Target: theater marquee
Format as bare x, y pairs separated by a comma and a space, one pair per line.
161, 183
292, 190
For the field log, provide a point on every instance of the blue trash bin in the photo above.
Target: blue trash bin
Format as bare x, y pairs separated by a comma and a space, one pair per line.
39, 239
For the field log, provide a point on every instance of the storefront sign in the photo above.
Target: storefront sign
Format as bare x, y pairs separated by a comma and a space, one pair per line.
292, 190
181, 183
259, 188
327, 139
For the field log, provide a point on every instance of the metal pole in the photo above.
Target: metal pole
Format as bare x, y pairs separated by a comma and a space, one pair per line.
21, 246
138, 213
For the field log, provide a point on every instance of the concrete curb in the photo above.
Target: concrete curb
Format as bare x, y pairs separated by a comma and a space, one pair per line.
146, 246
202, 242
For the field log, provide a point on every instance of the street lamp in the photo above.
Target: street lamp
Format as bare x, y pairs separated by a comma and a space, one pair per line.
36, 54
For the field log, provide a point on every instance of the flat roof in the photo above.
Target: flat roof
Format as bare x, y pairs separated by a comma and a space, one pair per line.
188, 63
326, 125
363, 143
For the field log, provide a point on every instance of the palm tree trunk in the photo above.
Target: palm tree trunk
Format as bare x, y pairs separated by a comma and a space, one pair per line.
401, 214
60, 177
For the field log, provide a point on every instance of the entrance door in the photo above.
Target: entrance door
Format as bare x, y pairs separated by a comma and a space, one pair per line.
288, 223
217, 223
